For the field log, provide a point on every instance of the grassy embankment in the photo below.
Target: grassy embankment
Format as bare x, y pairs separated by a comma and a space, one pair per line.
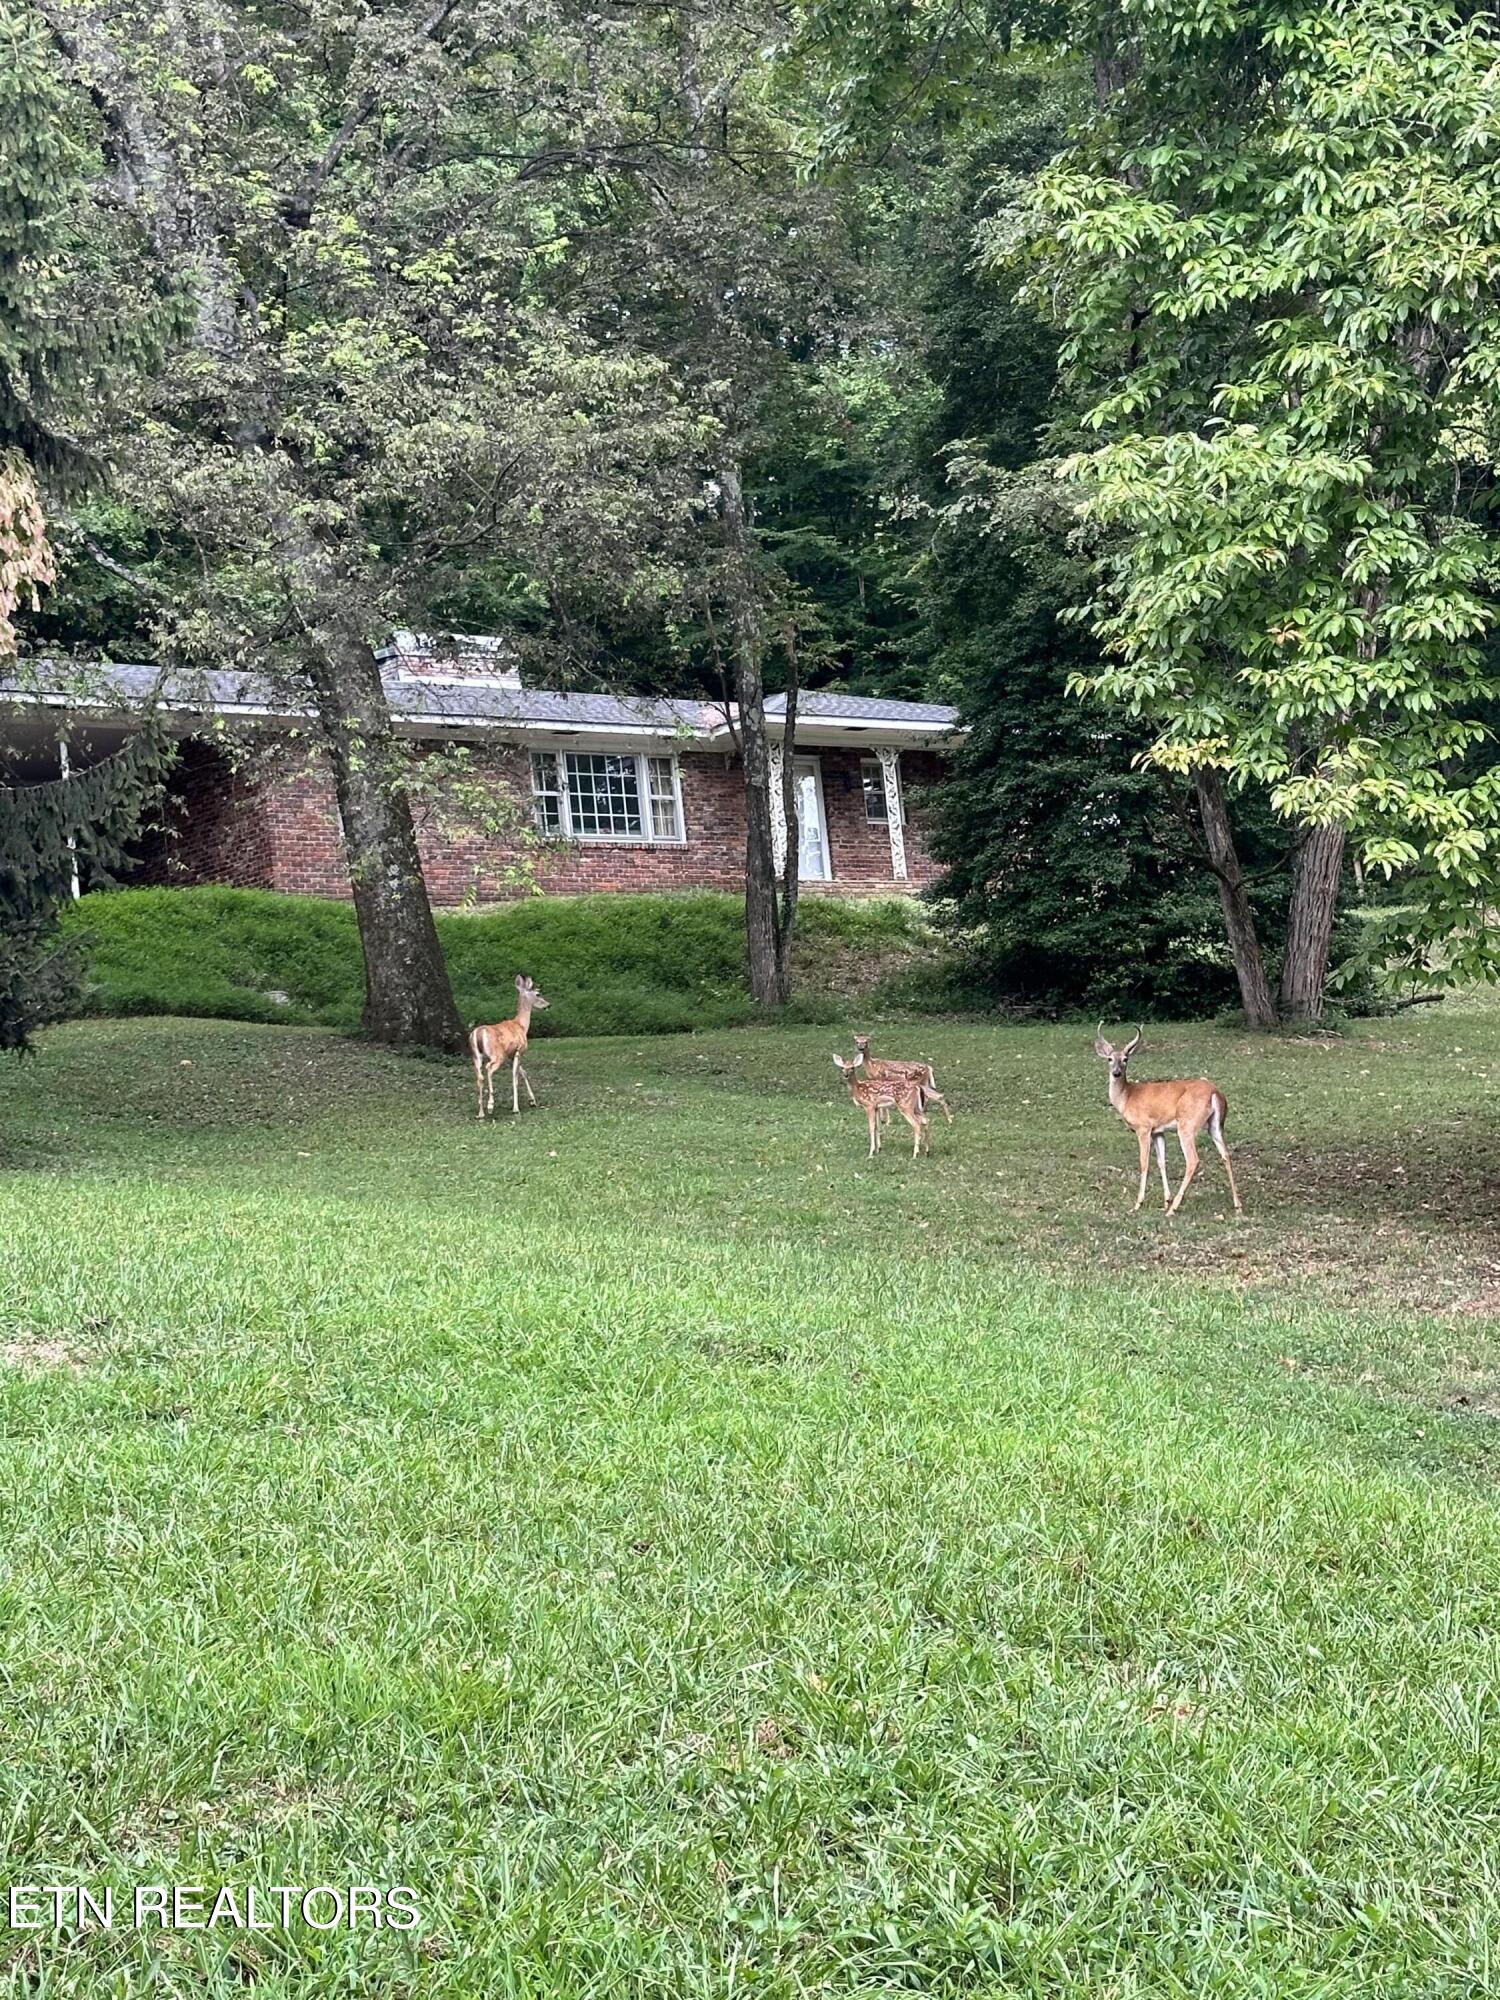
611, 965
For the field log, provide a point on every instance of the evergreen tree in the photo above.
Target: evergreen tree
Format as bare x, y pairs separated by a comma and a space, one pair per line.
1075, 878
33, 177
47, 832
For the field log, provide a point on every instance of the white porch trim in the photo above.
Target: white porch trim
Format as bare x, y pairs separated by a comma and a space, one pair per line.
890, 778
778, 810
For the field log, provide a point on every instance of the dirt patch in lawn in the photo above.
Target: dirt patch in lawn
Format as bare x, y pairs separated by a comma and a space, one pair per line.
39, 1357
1409, 1226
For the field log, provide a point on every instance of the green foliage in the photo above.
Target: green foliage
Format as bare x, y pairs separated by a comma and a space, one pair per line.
836, 440
77, 312
370, 228
1075, 877
609, 964
57, 338
46, 831
41, 168
1273, 257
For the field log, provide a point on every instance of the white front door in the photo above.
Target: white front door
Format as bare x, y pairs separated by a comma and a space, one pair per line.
813, 862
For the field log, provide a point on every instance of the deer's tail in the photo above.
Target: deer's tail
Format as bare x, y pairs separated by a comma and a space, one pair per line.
1218, 1110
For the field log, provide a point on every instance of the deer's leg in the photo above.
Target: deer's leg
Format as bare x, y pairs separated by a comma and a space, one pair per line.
1215, 1126
1189, 1143
479, 1078
1145, 1142
916, 1122
874, 1117
515, 1089
1161, 1161
489, 1075
526, 1080
937, 1097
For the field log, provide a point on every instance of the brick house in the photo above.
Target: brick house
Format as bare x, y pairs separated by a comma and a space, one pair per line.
514, 787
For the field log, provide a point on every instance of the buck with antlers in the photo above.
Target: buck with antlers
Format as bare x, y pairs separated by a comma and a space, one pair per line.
505, 1041
875, 1095
886, 1068
1152, 1110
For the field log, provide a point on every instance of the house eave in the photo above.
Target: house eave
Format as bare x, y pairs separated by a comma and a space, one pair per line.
539, 732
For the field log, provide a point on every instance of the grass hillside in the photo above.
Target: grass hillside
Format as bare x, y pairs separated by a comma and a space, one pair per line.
702, 1562
610, 965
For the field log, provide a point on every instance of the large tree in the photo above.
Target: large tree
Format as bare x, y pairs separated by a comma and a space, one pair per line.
1274, 253
705, 243
1076, 876
375, 378
56, 349
750, 271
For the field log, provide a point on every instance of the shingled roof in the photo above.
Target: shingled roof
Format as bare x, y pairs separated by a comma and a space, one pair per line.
866, 708
457, 702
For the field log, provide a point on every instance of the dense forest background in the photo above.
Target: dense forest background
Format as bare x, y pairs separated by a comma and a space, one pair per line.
1121, 375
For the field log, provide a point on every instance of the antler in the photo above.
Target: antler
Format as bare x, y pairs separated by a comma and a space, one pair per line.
1130, 1045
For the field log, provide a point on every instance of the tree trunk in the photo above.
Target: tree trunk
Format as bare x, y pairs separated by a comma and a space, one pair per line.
768, 924
791, 874
1316, 872
1239, 917
408, 995
762, 932
747, 622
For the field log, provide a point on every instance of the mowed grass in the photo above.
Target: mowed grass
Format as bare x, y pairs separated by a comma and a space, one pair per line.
702, 1562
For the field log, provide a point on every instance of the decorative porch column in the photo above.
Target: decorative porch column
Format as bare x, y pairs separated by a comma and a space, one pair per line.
778, 811
890, 778
65, 771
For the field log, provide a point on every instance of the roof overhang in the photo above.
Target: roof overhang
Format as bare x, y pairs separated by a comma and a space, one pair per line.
865, 733
713, 729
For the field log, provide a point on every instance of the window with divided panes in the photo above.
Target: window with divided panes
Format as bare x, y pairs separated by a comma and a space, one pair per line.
873, 778
607, 795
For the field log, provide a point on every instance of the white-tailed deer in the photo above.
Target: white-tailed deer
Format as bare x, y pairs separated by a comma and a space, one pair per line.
1152, 1110
876, 1094
505, 1041
919, 1073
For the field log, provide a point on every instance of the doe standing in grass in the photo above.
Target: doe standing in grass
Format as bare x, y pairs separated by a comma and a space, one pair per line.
505, 1041
876, 1094
1152, 1110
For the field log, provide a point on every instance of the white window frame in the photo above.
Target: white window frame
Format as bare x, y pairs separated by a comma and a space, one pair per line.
867, 765
560, 790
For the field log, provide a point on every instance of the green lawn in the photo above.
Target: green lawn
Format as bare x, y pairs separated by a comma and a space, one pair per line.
702, 1562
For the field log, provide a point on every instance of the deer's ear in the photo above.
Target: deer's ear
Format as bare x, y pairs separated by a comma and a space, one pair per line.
838, 1062
1102, 1048
520, 982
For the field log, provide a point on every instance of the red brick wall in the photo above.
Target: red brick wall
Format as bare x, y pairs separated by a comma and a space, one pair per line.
210, 827
861, 852
273, 822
